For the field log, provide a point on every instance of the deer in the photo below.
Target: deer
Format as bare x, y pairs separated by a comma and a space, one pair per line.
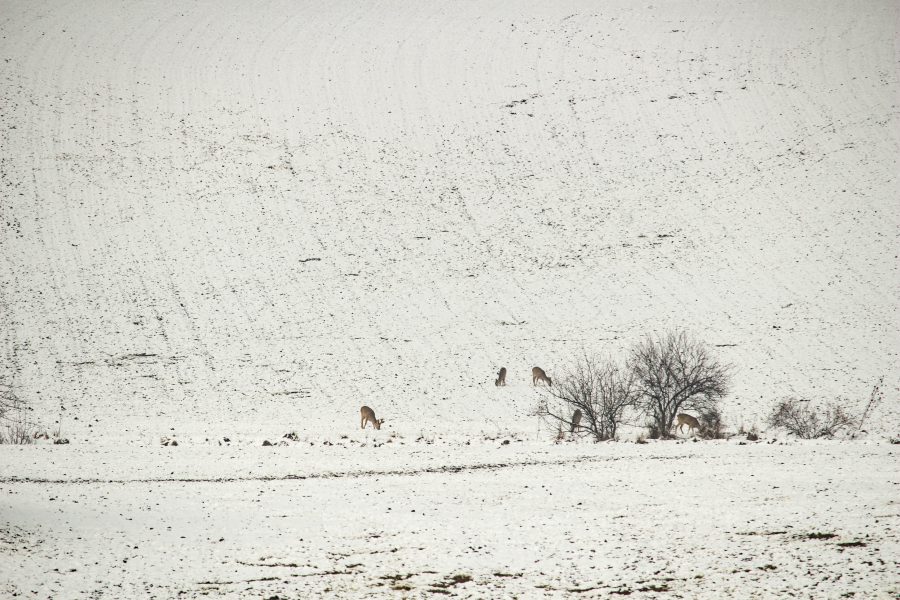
576, 419
501, 377
537, 374
368, 415
685, 419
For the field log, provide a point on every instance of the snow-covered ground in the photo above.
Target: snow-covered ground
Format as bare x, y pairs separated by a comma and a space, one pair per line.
814, 520
242, 219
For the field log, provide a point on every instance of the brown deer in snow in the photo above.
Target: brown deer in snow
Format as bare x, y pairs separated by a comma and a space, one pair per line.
537, 374
691, 422
576, 419
368, 416
501, 377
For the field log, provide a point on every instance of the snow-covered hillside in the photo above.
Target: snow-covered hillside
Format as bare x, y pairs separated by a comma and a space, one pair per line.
241, 219
226, 215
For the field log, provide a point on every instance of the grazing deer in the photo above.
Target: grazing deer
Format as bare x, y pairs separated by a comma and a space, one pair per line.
501, 377
537, 374
368, 415
576, 419
688, 420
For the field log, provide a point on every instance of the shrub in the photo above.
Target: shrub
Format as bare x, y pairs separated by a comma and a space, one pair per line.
804, 420
711, 424
15, 426
17, 432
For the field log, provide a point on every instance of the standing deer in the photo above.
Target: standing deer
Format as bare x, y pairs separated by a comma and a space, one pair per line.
501, 377
576, 419
537, 374
368, 416
691, 422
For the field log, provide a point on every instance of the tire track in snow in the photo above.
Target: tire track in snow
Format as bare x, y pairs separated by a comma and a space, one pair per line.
449, 469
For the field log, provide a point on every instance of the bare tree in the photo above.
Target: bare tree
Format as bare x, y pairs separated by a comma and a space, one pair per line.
808, 422
597, 391
676, 372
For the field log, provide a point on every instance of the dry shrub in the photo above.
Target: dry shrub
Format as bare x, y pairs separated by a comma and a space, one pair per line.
711, 424
15, 425
805, 420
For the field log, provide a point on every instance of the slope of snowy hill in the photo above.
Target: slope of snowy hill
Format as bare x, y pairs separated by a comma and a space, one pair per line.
215, 219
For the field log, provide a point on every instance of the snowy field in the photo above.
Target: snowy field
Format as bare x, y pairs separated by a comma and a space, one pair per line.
818, 520
241, 219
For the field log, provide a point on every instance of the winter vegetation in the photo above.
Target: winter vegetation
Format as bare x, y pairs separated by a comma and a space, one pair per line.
673, 372
595, 389
499, 299
807, 422
664, 375
15, 425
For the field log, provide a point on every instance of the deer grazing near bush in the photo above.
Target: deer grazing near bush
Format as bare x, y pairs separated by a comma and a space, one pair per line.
368, 416
691, 422
501, 377
537, 374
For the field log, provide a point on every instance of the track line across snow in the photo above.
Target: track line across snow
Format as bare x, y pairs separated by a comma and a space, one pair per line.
348, 474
